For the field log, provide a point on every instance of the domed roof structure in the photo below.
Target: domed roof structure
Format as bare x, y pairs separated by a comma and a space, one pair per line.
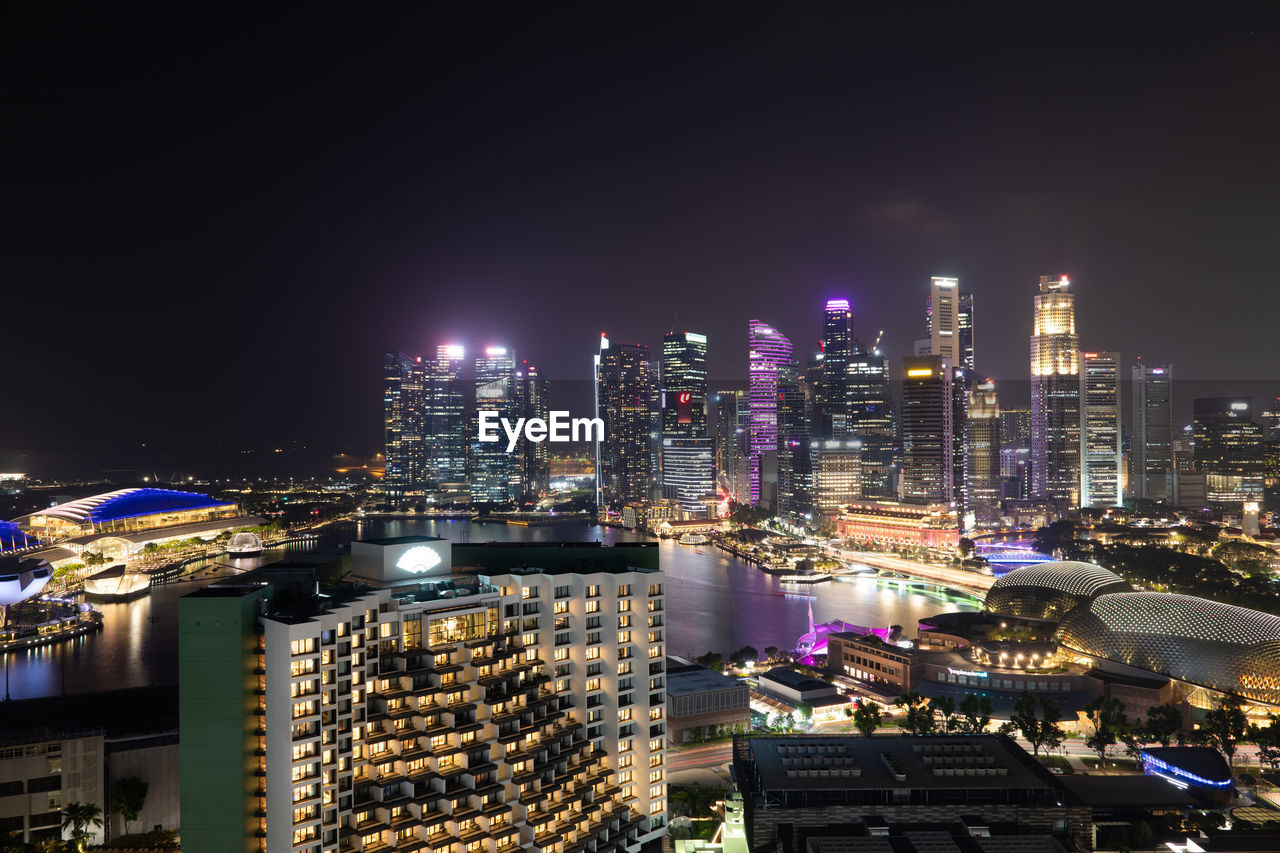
22, 577
1215, 645
1050, 590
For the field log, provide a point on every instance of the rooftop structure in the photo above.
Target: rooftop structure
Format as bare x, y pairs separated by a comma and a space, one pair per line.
1050, 590
1217, 646
21, 578
128, 510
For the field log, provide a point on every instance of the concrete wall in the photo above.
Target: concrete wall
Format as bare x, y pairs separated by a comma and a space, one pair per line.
157, 765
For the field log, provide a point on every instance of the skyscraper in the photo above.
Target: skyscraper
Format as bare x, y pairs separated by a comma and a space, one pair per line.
1055, 394
928, 455
942, 319
769, 358
402, 420
624, 401
794, 467
535, 467
688, 467
870, 419
495, 473
1152, 431
837, 348
983, 454
1100, 429
445, 434
1228, 450
726, 413
837, 474
966, 332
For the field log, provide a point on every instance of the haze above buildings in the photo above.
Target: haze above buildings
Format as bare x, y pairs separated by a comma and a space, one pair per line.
233, 233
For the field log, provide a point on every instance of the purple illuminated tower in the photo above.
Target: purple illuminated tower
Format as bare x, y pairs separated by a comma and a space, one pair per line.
770, 364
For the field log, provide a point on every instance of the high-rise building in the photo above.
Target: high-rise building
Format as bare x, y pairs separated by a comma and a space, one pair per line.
1015, 429
770, 366
624, 401
688, 467
871, 419
1152, 431
942, 319
1055, 394
928, 455
1100, 429
426, 710
402, 419
445, 434
837, 474
837, 348
726, 422
535, 467
983, 454
966, 331
1228, 450
1271, 421
495, 473
794, 471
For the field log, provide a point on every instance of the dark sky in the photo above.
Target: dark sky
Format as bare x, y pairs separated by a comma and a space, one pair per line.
215, 225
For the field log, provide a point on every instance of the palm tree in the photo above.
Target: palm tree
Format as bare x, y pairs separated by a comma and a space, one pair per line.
79, 817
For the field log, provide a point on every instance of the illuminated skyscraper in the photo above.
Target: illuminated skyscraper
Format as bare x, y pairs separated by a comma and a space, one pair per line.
688, 465
402, 418
624, 401
1228, 450
1152, 432
870, 419
837, 474
794, 467
535, 468
495, 473
769, 364
942, 319
928, 430
837, 348
726, 421
1055, 394
983, 454
445, 432
966, 331
1100, 428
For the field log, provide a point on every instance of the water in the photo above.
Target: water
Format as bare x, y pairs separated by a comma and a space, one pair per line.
714, 603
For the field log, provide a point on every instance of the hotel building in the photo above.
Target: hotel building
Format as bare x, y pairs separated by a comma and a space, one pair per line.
428, 708
1055, 394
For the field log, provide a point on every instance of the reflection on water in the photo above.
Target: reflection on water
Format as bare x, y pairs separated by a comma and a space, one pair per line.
713, 603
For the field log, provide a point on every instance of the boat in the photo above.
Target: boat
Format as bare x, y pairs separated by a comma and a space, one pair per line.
804, 578
694, 539
244, 545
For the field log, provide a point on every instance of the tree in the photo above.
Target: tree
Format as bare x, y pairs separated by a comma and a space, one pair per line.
975, 713
1037, 721
804, 710
128, 796
771, 652
945, 708
1163, 723
744, 654
1226, 725
81, 818
966, 546
1107, 717
712, 660
867, 717
919, 719
1268, 740
93, 558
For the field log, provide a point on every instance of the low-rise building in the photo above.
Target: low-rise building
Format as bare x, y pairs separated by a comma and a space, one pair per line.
893, 524
703, 703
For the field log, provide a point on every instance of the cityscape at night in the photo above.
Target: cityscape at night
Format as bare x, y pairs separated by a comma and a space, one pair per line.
641, 429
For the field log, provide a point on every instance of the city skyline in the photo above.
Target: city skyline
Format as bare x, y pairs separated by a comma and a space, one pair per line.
1122, 192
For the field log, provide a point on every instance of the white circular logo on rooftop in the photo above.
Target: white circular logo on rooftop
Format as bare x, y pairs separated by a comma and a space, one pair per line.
418, 559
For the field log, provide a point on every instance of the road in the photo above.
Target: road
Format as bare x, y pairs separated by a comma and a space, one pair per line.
961, 578
707, 755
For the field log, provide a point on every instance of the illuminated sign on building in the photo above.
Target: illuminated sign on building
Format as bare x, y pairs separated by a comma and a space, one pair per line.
418, 560
972, 673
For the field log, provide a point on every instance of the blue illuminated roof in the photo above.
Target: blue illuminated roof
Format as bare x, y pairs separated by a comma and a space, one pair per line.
12, 538
130, 503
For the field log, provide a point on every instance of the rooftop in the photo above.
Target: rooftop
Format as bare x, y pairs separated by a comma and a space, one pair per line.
130, 503
683, 680
401, 540
795, 680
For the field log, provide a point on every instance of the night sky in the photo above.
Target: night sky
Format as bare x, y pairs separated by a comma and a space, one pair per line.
215, 226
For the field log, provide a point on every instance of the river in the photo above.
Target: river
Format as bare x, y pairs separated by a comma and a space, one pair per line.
714, 603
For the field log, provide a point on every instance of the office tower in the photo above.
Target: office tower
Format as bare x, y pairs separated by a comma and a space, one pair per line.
1015, 429
535, 468
870, 419
624, 396
1151, 437
728, 436
810, 382
966, 331
769, 365
837, 474
688, 466
1055, 394
837, 348
794, 480
495, 473
1271, 421
445, 432
983, 454
942, 319
928, 474
402, 420
510, 708
1228, 450
1100, 428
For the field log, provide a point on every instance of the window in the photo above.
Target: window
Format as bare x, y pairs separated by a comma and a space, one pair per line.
593, 653
593, 591
655, 589
564, 591
624, 637
624, 606
562, 653
624, 621
624, 667
624, 589
593, 607
593, 684
560, 607
303, 647
527, 592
